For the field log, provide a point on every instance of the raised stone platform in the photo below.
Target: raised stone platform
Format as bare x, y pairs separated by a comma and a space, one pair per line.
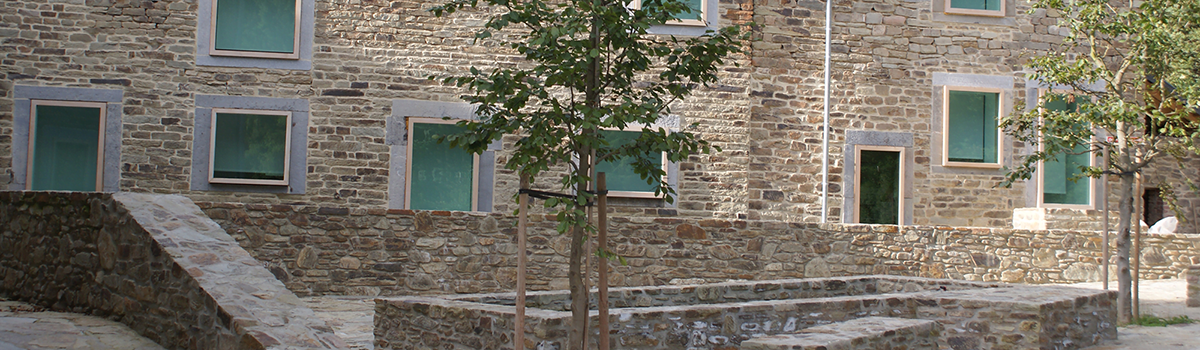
867, 333
719, 316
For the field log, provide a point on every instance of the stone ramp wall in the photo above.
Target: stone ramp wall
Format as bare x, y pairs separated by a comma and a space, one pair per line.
153, 262
323, 250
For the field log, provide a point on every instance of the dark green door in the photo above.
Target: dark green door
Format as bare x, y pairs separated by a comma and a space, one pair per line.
879, 187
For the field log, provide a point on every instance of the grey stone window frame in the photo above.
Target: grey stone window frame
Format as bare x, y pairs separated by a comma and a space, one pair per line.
397, 140
1007, 19
942, 80
1033, 189
23, 97
298, 146
204, 22
855, 138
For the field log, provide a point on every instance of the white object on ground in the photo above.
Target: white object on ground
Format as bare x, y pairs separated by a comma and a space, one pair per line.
1166, 225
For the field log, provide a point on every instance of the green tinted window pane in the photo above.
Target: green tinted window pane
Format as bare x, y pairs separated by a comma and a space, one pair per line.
441, 175
256, 25
619, 173
972, 126
694, 10
65, 148
990, 5
879, 187
1057, 186
250, 146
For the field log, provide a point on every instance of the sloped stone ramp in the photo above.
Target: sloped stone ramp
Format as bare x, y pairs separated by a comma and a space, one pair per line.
154, 262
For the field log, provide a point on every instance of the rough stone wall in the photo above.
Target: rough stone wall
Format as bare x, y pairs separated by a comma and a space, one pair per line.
154, 263
885, 54
321, 250
365, 55
765, 113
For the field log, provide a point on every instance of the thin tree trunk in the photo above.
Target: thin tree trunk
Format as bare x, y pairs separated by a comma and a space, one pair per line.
579, 292
1124, 281
579, 295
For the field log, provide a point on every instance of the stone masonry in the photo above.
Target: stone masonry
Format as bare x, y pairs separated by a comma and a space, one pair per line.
323, 250
153, 262
723, 316
765, 113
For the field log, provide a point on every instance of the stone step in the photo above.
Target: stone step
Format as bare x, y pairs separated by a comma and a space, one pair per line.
860, 333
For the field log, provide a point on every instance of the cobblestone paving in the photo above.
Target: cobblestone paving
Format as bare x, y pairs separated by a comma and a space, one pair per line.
24, 326
1162, 298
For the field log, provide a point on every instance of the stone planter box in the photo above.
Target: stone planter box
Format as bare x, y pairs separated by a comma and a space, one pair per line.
721, 316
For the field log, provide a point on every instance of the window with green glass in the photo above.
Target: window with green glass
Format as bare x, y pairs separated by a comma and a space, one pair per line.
1062, 182
266, 26
250, 147
694, 13
440, 177
984, 5
971, 129
879, 187
65, 144
619, 173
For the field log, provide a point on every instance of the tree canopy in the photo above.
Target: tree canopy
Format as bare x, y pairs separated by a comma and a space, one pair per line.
1130, 70
589, 65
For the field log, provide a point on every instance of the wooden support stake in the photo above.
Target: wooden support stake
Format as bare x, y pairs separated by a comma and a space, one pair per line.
1104, 240
602, 266
522, 225
1137, 245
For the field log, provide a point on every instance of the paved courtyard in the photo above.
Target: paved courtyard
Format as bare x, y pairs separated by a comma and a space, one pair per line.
23, 326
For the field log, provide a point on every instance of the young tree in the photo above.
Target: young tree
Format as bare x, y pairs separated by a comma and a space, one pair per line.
590, 65
1132, 71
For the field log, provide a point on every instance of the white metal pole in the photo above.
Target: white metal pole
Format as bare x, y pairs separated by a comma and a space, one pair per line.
825, 124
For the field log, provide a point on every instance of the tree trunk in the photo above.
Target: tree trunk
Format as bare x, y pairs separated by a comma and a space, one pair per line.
1124, 281
579, 293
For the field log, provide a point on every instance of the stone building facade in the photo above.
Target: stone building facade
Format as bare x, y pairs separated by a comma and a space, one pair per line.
360, 69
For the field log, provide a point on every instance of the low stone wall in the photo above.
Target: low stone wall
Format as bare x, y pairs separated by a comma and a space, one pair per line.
1193, 286
987, 317
155, 263
319, 250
